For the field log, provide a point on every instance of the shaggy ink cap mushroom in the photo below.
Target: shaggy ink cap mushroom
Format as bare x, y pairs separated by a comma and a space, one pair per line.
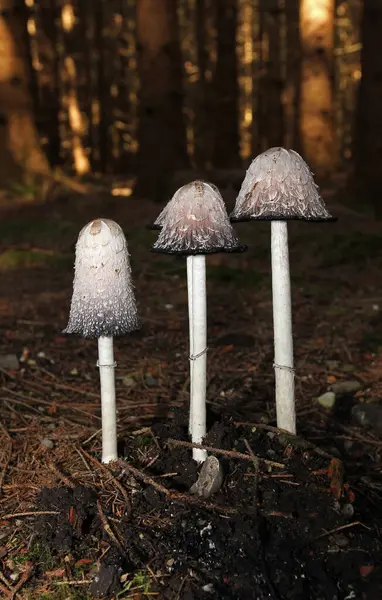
195, 221
103, 301
279, 186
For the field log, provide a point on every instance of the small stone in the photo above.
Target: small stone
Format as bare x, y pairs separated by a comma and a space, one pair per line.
346, 387
128, 381
9, 361
348, 510
327, 400
47, 443
369, 415
208, 588
341, 540
210, 478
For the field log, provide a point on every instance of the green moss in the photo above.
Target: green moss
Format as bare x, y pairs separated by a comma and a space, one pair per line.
33, 259
39, 555
139, 583
61, 592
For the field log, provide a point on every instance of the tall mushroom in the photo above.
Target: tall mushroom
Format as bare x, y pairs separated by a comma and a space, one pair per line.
103, 306
195, 223
279, 186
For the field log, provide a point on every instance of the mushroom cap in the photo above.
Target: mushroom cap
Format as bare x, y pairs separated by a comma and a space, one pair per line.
195, 221
103, 301
279, 186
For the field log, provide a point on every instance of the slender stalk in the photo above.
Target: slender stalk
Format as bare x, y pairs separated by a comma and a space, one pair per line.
108, 404
199, 358
282, 324
190, 262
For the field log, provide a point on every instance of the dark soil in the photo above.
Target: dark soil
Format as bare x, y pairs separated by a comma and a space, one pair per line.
297, 532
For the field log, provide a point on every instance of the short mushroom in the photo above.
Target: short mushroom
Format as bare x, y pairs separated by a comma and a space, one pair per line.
195, 223
103, 306
279, 186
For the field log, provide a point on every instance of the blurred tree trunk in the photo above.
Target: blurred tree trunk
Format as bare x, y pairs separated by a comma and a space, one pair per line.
226, 87
368, 130
161, 129
272, 121
293, 74
202, 122
316, 101
21, 157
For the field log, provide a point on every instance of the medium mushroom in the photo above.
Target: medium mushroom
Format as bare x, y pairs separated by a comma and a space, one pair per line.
195, 223
103, 307
279, 186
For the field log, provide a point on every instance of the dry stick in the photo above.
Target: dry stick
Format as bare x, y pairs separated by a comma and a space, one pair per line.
70, 582
256, 464
231, 453
296, 439
341, 529
105, 469
53, 467
171, 494
29, 514
4, 469
108, 529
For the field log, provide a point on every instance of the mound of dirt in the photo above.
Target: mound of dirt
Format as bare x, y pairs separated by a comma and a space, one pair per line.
284, 525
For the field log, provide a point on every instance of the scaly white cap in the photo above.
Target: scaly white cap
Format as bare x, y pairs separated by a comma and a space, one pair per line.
195, 221
103, 301
279, 186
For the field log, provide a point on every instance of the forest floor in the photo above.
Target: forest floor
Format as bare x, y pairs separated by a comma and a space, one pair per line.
295, 518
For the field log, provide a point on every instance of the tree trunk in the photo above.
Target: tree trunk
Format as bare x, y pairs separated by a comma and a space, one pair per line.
316, 102
226, 87
272, 130
293, 74
368, 131
21, 157
161, 129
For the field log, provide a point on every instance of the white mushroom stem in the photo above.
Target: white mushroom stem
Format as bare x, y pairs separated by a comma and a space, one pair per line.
190, 263
106, 366
282, 324
198, 371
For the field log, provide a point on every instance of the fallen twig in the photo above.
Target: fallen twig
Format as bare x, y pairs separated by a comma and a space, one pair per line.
110, 474
172, 495
53, 467
108, 529
29, 514
337, 529
231, 453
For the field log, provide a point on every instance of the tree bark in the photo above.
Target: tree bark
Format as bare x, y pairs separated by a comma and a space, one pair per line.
21, 157
226, 87
316, 101
272, 128
161, 129
368, 130
293, 74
